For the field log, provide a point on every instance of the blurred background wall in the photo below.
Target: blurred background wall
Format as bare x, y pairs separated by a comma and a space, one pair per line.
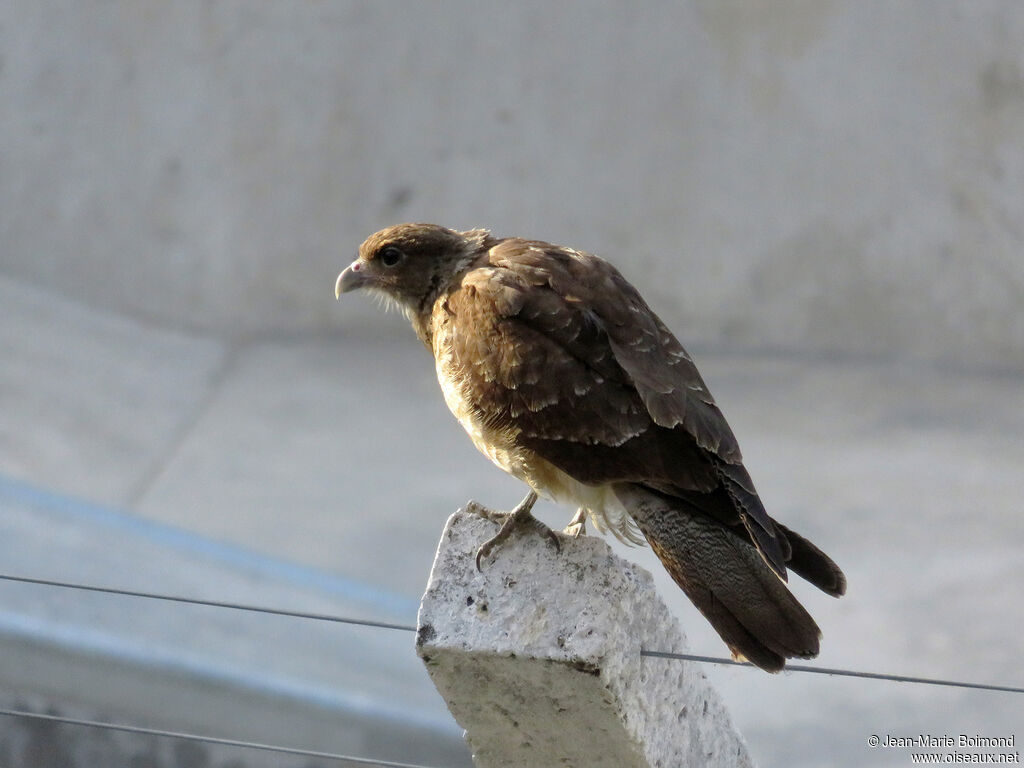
841, 176
808, 191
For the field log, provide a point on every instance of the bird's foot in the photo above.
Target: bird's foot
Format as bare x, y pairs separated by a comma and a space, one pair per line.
478, 509
578, 525
518, 518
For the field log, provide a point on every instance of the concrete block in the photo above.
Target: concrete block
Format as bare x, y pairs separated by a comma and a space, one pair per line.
538, 658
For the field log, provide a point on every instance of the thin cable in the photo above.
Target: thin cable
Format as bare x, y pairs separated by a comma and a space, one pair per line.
410, 628
207, 739
210, 603
840, 672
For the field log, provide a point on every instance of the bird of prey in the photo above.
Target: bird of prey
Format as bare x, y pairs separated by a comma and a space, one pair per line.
566, 379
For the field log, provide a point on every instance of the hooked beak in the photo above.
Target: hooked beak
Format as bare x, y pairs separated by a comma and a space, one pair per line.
352, 277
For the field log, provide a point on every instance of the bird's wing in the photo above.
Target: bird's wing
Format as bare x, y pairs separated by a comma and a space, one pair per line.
660, 370
658, 367
558, 345
538, 365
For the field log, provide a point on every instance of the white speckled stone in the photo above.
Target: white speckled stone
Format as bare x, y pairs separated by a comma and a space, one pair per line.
538, 658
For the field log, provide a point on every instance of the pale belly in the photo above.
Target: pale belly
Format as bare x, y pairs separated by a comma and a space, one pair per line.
604, 507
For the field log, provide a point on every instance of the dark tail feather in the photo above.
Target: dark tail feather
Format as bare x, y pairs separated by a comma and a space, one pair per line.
813, 564
727, 579
760, 527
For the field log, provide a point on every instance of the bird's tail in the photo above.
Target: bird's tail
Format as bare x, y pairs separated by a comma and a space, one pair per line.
729, 582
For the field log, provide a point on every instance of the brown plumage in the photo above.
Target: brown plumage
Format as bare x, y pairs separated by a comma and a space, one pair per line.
564, 377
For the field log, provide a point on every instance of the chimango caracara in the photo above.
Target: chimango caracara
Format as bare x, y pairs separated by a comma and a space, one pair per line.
564, 377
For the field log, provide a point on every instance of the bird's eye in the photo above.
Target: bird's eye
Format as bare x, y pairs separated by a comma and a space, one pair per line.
390, 256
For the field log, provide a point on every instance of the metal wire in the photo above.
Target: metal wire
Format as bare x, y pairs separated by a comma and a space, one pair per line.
207, 739
410, 628
210, 603
839, 672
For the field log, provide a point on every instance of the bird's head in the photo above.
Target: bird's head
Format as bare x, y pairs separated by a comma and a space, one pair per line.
409, 264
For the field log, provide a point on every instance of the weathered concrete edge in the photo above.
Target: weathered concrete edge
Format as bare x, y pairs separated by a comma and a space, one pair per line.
538, 658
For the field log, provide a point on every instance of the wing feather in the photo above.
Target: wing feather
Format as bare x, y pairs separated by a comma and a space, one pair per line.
559, 349
659, 368
540, 367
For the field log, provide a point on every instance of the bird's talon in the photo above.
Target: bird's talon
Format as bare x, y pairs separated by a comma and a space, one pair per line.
554, 539
578, 525
519, 517
479, 510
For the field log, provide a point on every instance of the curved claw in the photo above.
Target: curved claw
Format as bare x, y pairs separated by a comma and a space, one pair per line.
520, 517
553, 537
488, 546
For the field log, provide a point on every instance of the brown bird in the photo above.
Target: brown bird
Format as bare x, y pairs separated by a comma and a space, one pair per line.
564, 377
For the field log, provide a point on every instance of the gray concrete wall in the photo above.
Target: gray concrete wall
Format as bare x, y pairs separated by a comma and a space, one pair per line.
841, 176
